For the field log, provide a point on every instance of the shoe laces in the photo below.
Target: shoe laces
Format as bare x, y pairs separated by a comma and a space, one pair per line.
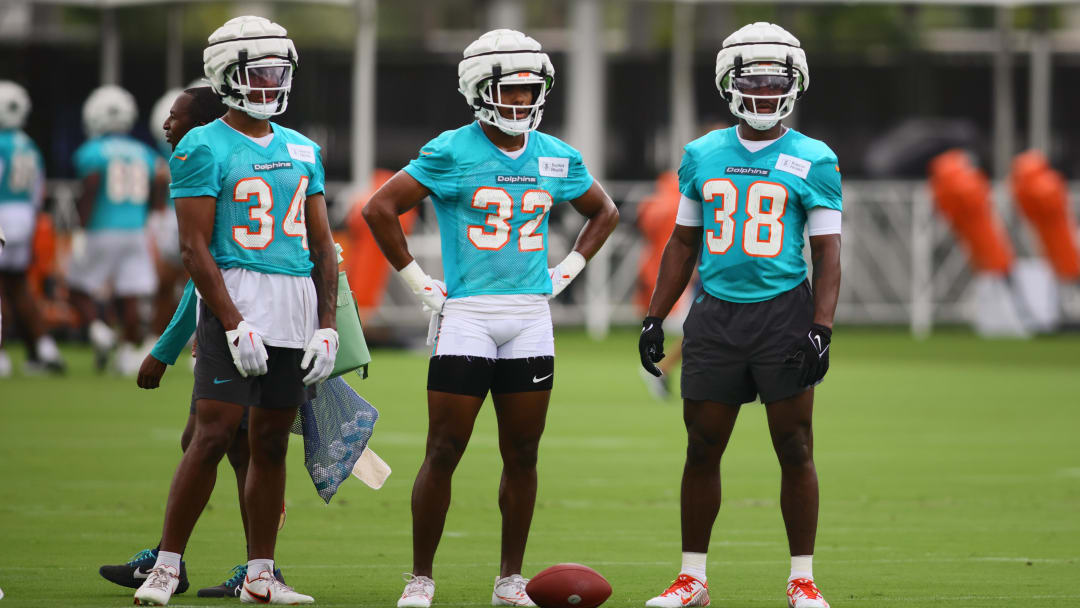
142, 555
275, 584
160, 578
515, 583
685, 582
804, 587
417, 585
239, 573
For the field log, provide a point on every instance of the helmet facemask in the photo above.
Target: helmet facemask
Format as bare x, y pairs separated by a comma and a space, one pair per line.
754, 87
526, 117
259, 87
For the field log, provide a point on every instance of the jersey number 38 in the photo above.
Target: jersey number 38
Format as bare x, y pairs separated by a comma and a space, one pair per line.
763, 233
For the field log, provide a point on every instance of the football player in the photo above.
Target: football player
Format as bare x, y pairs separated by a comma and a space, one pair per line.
22, 178
267, 282
492, 182
190, 108
760, 328
117, 174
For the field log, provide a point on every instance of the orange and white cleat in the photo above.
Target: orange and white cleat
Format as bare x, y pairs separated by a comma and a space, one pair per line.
803, 593
685, 591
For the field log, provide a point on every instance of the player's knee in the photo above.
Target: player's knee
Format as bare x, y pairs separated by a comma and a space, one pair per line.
185, 438
702, 450
444, 453
270, 448
209, 443
521, 455
793, 450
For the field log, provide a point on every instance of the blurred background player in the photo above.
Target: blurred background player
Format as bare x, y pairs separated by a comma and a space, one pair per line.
190, 108
22, 178
161, 224
118, 174
267, 302
758, 329
493, 183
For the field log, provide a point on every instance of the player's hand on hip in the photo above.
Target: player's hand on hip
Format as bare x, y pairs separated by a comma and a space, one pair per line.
565, 272
321, 352
431, 292
248, 353
150, 372
812, 354
651, 344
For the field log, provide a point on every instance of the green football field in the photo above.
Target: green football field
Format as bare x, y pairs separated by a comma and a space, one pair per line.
950, 476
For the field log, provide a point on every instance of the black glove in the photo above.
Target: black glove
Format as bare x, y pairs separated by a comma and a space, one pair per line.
651, 344
812, 354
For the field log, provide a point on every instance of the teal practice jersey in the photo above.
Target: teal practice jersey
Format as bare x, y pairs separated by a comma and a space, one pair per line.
21, 169
260, 192
493, 210
754, 207
126, 168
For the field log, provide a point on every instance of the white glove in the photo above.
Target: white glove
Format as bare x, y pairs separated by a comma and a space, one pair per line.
323, 349
248, 353
565, 272
432, 292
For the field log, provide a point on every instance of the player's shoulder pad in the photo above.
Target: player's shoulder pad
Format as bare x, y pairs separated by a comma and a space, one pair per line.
549, 145
712, 139
808, 148
199, 138
446, 143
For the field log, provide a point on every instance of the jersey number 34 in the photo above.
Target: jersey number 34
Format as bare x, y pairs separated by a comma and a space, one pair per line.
763, 220
292, 225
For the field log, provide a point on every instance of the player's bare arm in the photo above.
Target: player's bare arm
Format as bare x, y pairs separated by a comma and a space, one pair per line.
676, 268
398, 195
602, 216
825, 257
195, 218
323, 256
85, 204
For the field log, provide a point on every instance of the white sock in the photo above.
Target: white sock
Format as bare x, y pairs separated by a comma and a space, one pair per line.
258, 566
165, 558
802, 566
694, 565
47, 350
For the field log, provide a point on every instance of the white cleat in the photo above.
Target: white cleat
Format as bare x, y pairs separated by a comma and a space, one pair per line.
803, 593
685, 591
419, 591
510, 591
5, 364
158, 587
265, 589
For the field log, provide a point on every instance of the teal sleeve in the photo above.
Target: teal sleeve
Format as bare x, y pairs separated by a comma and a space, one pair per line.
578, 179
318, 176
436, 169
87, 160
194, 171
687, 171
177, 334
823, 184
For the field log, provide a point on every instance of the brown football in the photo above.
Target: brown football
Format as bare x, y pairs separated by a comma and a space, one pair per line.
568, 586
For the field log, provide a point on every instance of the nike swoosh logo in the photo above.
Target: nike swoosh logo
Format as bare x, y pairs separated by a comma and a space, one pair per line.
426, 153
262, 598
219, 381
184, 157
817, 341
539, 380
648, 328
138, 573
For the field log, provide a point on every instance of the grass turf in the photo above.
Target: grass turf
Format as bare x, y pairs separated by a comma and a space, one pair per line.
950, 475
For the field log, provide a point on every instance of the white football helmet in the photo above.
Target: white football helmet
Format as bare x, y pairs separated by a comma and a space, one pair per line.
109, 109
250, 62
14, 105
502, 58
761, 57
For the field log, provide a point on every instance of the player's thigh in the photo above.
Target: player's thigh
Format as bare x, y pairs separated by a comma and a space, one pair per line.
135, 271
463, 358
451, 417
521, 417
715, 361
216, 376
526, 356
18, 221
709, 423
216, 422
784, 320
791, 426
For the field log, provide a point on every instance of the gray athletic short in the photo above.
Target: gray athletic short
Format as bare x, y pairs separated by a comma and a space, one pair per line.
216, 377
734, 352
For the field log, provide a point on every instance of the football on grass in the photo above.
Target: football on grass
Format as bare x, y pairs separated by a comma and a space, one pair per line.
568, 586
